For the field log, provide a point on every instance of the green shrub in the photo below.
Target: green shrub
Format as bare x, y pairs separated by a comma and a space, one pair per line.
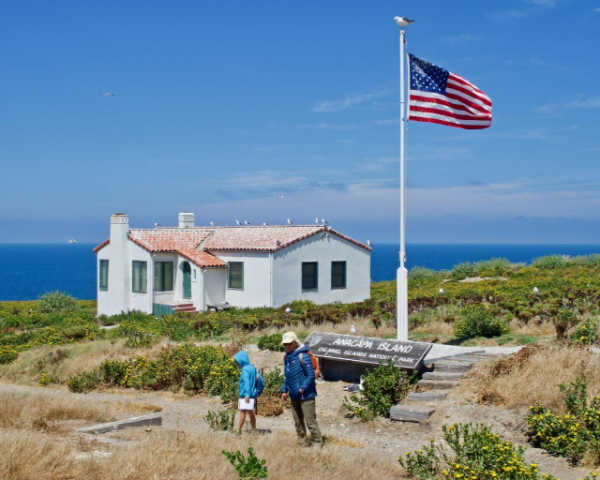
475, 452
7, 354
586, 333
223, 380
462, 270
563, 320
271, 342
478, 321
570, 435
136, 335
383, 386
223, 420
551, 261
421, 276
495, 266
273, 381
249, 467
114, 372
84, 382
57, 302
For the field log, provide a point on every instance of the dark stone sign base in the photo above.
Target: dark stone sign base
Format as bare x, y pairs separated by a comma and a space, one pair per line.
335, 370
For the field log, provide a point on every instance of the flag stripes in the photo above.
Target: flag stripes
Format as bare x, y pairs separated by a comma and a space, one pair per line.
438, 96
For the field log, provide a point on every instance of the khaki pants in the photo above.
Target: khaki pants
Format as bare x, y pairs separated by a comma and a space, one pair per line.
305, 416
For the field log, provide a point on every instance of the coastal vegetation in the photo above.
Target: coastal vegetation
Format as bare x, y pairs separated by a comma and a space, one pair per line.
554, 296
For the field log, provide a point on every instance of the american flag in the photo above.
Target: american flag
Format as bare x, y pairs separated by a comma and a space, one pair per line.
438, 96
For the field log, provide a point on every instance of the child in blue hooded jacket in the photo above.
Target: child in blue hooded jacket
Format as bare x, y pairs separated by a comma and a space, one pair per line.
247, 387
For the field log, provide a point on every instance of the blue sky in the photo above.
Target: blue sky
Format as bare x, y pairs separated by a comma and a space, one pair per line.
269, 110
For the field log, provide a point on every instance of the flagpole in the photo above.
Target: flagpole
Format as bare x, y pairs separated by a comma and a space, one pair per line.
402, 273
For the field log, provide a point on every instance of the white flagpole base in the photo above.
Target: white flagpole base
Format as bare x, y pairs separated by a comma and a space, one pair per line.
402, 303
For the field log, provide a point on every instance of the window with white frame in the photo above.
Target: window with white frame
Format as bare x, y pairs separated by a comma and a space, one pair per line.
163, 276
103, 275
235, 275
139, 276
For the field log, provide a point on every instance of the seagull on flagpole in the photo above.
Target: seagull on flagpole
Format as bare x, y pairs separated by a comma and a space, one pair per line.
402, 21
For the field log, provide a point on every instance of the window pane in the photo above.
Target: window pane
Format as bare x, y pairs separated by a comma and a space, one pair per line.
309, 276
157, 276
163, 276
103, 275
236, 275
168, 282
338, 274
138, 277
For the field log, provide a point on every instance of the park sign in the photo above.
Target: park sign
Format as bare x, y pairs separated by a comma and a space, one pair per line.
367, 350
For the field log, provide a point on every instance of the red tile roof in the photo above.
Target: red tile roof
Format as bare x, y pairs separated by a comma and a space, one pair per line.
182, 241
196, 243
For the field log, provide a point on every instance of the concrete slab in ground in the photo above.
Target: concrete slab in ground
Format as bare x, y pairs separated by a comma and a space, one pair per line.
141, 421
410, 413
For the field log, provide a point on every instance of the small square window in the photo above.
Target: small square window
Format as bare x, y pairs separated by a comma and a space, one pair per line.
310, 275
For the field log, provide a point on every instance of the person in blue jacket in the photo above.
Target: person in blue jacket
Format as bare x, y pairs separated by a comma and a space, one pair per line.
247, 389
299, 384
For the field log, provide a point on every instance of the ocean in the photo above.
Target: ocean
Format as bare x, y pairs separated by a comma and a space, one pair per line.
30, 270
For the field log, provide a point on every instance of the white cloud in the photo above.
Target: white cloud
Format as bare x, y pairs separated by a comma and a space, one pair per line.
580, 103
597, 10
590, 102
349, 101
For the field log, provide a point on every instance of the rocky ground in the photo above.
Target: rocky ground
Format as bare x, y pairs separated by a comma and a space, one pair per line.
384, 438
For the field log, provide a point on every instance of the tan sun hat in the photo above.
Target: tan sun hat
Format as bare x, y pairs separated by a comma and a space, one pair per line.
289, 337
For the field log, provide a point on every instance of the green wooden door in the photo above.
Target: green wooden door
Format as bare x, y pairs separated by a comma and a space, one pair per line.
187, 280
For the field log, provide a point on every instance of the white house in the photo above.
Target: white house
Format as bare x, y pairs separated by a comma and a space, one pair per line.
189, 268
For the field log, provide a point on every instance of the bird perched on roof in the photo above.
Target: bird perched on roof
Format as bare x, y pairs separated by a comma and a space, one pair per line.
402, 21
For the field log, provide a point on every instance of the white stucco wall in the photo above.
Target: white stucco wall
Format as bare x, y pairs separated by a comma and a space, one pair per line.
257, 285
141, 301
215, 282
323, 249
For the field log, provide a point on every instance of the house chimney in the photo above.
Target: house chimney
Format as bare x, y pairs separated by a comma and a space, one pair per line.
186, 220
119, 228
118, 272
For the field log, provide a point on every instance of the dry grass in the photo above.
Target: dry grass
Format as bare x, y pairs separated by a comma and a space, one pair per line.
60, 362
26, 455
533, 375
184, 457
43, 412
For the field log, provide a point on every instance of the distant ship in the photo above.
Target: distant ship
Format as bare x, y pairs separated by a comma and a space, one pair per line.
72, 241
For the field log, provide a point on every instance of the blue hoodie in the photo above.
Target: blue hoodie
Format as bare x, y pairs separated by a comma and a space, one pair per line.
299, 374
247, 385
